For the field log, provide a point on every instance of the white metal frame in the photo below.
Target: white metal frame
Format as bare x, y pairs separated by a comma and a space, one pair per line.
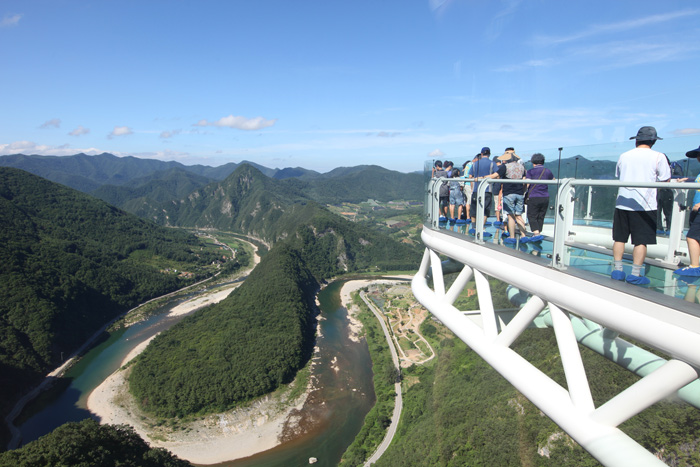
671, 331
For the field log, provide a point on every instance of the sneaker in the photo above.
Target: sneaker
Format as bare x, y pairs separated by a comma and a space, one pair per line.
637, 280
618, 275
687, 271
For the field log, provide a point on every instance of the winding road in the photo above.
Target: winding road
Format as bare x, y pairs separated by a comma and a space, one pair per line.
398, 405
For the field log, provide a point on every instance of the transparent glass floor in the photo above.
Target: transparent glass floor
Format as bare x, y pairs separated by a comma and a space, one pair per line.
663, 280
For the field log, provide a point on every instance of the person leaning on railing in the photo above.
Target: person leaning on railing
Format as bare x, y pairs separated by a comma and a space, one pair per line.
693, 235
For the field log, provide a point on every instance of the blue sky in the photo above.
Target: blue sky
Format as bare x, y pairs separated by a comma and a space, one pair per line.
324, 84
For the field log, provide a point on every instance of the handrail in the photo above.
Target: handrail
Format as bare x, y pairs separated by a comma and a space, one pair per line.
564, 211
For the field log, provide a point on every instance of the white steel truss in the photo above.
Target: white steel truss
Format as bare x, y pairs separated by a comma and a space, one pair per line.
669, 330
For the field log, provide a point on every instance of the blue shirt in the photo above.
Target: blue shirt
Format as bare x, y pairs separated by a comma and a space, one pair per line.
482, 168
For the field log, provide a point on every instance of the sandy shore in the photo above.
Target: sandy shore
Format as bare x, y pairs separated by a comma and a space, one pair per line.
355, 326
214, 439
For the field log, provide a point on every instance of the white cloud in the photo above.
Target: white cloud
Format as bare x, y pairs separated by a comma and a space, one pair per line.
31, 148
686, 131
53, 123
239, 123
166, 155
598, 29
436, 153
169, 134
120, 131
10, 20
81, 130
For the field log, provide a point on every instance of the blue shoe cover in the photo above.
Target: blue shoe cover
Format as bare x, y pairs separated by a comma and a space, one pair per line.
498, 224
486, 224
637, 280
524, 239
472, 231
660, 232
442, 219
688, 271
618, 275
487, 234
509, 241
505, 234
460, 221
468, 221
689, 279
452, 220
536, 238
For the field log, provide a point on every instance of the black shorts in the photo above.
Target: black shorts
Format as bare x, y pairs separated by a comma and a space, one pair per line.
694, 230
487, 204
640, 224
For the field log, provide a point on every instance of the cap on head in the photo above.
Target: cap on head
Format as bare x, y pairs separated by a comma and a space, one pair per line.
693, 154
485, 151
646, 133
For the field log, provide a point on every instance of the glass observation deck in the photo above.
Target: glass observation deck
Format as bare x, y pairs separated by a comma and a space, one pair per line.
577, 233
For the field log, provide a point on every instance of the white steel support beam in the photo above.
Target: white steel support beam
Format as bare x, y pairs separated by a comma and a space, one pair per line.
573, 410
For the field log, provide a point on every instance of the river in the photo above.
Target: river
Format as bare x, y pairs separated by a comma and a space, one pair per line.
333, 413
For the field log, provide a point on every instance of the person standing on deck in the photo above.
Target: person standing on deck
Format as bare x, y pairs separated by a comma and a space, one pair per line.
635, 208
693, 235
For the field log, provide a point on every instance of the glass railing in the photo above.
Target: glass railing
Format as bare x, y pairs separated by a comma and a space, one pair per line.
577, 231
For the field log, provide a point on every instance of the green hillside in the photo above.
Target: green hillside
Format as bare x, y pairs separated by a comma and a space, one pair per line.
243, 347
88, 443
70, 263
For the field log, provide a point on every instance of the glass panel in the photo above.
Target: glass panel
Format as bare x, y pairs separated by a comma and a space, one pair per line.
589, 237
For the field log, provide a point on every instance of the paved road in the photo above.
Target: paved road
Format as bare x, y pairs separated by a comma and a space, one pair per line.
398, 405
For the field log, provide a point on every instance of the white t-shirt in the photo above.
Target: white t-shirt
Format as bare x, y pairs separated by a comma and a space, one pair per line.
640, 165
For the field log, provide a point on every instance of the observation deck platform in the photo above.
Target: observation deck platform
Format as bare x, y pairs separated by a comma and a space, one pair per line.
563, 282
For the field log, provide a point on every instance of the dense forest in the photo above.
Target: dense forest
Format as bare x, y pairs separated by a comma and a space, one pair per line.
70, 263
89, 444
243, 347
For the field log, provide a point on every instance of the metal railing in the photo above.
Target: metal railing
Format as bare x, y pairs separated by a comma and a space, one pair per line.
669, 254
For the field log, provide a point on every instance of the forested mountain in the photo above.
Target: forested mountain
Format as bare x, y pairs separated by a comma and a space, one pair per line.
88, 443
240, 348
175, 183
357, 184
70, 263
87, 173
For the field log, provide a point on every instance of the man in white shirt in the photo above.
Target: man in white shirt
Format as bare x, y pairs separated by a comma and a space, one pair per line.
635, 208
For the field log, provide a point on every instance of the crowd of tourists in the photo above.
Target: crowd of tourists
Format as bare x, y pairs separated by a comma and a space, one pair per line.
458, 203
520, 208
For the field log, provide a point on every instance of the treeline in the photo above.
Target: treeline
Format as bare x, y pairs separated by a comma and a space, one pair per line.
69, 264
243, 347
89, 444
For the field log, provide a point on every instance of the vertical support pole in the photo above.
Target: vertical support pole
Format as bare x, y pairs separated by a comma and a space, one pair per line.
564, 219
